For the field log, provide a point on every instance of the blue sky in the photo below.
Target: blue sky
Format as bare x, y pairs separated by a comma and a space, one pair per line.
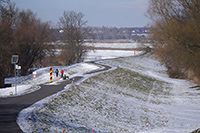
112, 13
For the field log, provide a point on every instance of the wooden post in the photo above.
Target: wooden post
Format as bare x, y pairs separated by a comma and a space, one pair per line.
134, 52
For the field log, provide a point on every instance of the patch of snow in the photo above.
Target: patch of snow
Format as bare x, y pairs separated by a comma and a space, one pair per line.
109, 54
19, 90
31, 84
118, 45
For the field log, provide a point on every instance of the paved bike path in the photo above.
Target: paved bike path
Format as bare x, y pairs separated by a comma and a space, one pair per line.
10, 107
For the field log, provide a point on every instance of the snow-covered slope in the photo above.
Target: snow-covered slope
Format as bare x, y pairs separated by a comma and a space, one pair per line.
135, 93
28, 84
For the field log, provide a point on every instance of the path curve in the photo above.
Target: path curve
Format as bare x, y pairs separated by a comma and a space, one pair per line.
10, 107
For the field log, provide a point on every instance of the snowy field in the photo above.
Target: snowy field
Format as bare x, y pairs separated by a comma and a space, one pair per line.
118, 45
93, 55
135, 93
109, 54
28, 84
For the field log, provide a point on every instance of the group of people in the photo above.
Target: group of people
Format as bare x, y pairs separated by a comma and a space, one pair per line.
62, 74
57, 71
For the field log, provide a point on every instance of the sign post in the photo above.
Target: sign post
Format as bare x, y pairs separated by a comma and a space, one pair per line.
34, 75
14, 61
50, 75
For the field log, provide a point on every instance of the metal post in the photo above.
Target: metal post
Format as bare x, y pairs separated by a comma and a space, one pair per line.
15, 79
14, 61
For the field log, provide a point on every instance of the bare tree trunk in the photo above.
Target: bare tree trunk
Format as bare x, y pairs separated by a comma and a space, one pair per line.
1, 81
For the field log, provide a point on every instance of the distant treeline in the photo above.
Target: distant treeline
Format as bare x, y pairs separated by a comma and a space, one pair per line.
110, 33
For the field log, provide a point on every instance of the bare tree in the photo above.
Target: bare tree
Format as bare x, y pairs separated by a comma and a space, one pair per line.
72, 24
30, 37
7, 17
23, 34
3, 3
176, 28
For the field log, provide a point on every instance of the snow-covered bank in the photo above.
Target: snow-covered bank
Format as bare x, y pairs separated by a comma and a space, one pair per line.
27, 84
175, 103
121, 100
119, 45
28, 114
31, 84
94, 55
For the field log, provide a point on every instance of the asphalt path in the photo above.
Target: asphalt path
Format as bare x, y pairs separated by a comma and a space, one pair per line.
10, 107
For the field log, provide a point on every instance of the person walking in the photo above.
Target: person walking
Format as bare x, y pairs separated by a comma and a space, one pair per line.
62, 72
57, 72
